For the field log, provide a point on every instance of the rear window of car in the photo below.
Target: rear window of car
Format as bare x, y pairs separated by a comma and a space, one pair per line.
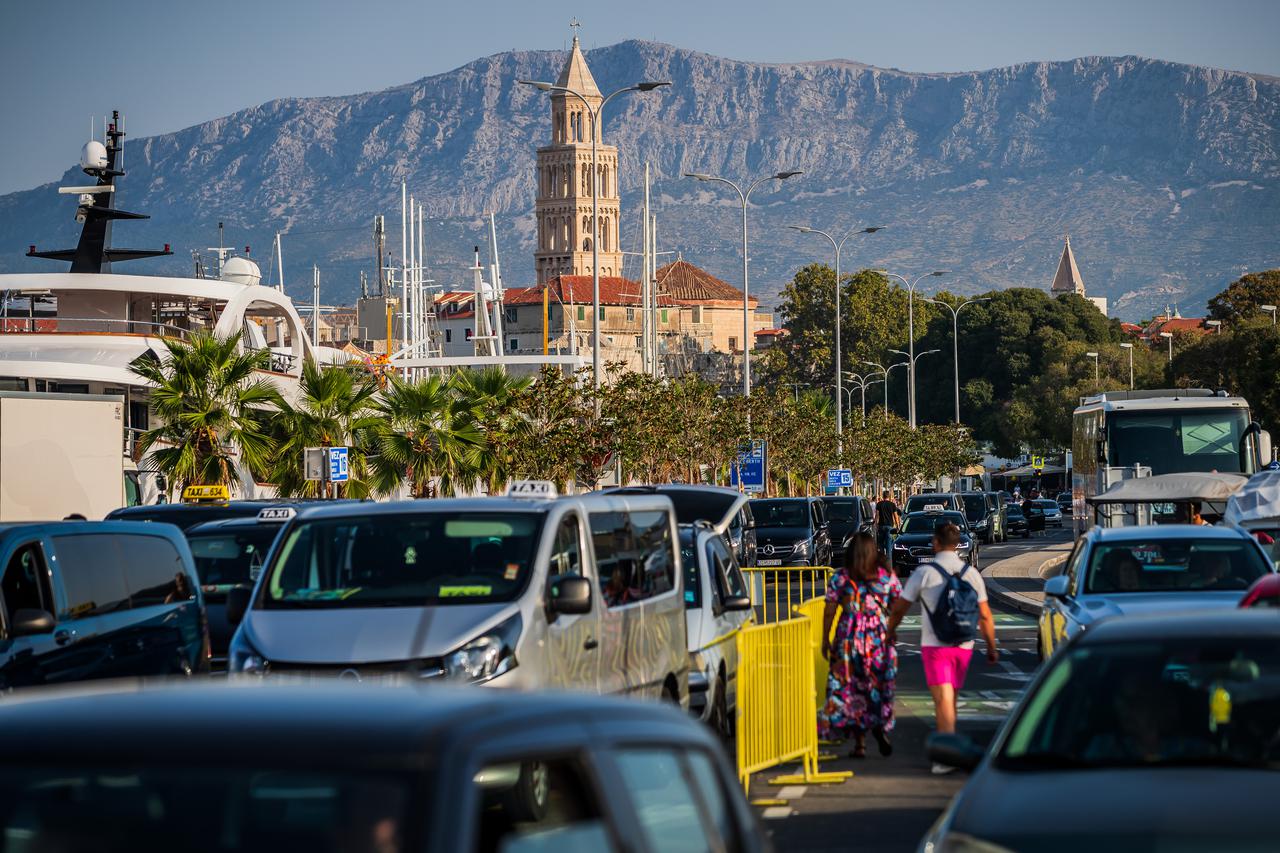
1173, 565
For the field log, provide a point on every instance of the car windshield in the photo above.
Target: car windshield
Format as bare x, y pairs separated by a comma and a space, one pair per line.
781, 513
928, 522
699, 505
228, 557
1171, 565
1013, 511
692, 572
202, 808
1046, 503
1065, 497
1181, 701
842, 511
975, 507
404, 560
1171, 442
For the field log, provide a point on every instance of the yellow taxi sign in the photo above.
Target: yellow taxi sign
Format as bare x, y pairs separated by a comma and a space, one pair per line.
206, 493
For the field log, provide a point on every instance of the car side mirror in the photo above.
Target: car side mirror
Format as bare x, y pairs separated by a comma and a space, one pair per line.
238, 598
954, 750
737, 603
893, 530
31, 620
569, 594
1058, 586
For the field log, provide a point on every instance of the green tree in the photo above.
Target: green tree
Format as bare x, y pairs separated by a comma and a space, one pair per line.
1244, 359
492, 393
211, 409
426, 434
1243, 298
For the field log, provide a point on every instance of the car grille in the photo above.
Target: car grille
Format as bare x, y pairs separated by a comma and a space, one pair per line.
428, 668
770, 550
920, 552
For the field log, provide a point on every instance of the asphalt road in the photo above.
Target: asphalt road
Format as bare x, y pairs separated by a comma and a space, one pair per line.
889, 804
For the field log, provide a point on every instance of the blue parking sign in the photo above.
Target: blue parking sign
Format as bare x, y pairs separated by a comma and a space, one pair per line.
338, 470
838, 478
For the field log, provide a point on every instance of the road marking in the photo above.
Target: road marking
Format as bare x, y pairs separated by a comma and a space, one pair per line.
791, 792
776, 812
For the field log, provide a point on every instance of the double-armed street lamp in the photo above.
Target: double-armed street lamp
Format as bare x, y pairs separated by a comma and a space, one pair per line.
838, 245
911, 333
1094, 356
746, 308
1129, 347
596, 130
859, 381
884, 372
911, 374
955, 337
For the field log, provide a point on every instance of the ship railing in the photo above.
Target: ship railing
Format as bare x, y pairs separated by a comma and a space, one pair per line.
89, 326
283, 362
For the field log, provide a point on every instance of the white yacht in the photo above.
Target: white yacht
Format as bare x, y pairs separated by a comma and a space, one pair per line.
80, 331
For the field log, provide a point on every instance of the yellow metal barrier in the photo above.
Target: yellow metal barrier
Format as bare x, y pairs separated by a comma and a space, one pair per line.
776, 591
776, 715
812, 611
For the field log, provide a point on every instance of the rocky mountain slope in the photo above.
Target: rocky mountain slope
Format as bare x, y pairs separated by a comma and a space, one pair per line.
1166, 176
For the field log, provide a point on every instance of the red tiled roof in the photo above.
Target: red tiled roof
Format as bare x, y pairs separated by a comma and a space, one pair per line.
688, 284
614, 290
775, 332
1131, 328
1176, 324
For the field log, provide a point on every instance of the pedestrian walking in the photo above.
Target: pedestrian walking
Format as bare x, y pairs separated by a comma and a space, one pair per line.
887, 518
954, 599
863, 662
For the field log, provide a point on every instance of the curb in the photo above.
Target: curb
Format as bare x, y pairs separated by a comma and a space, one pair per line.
1008, 597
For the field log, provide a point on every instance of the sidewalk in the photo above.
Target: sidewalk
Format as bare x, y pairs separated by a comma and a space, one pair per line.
1018, 581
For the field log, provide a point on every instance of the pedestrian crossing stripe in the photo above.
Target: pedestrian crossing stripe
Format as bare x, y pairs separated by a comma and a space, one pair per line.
974, 705
1004, 622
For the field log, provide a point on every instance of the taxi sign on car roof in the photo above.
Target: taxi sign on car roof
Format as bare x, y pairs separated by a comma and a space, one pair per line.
194, 494
277, 513
531, 489
934, 507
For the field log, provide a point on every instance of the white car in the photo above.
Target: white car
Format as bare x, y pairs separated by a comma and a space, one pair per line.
717, 605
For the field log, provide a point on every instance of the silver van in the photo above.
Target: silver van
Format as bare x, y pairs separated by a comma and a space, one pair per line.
581, 592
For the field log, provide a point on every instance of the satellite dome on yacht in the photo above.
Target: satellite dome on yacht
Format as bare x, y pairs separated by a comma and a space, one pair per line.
93, 156
241, 270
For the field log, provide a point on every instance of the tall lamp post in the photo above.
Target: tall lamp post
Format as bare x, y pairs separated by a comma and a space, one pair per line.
860, 381
1129, 347
838, 245
1094, 356
955, 337
911, 375
911, 332
885, 371
746, 309
1270, 309
596, 130
1169, 337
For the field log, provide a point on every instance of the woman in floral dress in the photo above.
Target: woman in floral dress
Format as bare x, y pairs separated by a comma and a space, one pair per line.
863, 661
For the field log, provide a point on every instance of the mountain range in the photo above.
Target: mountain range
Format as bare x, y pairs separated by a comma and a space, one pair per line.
1166, 176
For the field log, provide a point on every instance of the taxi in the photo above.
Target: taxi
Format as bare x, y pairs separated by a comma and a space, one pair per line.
913, 541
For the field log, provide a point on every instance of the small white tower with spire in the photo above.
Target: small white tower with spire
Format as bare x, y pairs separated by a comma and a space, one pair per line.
1067, 279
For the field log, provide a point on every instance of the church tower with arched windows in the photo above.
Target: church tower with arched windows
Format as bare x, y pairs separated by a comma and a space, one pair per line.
564, 182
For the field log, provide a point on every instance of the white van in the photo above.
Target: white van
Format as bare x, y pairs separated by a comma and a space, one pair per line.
578, 592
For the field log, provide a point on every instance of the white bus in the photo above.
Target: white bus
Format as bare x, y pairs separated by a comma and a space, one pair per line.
1122, 434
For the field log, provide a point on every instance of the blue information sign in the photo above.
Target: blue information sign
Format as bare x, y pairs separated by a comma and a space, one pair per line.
839, 478
338, 471
748, 471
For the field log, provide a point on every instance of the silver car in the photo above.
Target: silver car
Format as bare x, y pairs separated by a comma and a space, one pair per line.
1121, 571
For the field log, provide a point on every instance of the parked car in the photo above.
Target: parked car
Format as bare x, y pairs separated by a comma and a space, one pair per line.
1052, 514
1157, 731
1065, 503
1264, 592
934, 502
985, 516
913, 542
1122, 571
508, 592
728, 510
791, 532
717, 604
98, 599
1016, 522
849, 515
341, 767
190, 513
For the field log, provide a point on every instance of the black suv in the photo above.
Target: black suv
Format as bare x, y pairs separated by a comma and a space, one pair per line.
849, 515
791, 532
985, 515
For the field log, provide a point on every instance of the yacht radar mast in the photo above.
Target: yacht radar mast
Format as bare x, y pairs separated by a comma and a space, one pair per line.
94, 253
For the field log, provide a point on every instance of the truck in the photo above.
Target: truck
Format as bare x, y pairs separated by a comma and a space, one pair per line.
62, 455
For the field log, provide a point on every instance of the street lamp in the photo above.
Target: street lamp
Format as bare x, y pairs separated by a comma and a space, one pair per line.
1169, 336
885, 371
1129, 347
911, 378
860, 381
1216, 325
838, 245
1270, 309
596, 130
1094, 356
746, 310
911, 333
955, 337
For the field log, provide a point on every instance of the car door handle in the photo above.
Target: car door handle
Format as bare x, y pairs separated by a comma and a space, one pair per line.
64, 636
591, 644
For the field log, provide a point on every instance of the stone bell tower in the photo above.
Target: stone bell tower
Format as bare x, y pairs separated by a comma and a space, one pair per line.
564, 182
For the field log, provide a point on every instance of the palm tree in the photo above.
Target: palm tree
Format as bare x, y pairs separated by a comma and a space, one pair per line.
334, 404
425, 431
493, 394
210, 408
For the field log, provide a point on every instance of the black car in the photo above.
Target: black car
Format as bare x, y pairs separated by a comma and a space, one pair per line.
1065, 503
727, 510
98, 599
1016, 522
1144, 732
362, 767
185, 515
913, 542
848, 515
983, 514
791, 532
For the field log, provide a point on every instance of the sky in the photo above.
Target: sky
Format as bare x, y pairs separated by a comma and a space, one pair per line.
168, 64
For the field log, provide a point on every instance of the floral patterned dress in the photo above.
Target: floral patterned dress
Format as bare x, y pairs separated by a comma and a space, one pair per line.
864, 664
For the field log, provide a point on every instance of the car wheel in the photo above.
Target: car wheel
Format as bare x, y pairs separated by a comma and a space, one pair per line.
526, 801
721, 722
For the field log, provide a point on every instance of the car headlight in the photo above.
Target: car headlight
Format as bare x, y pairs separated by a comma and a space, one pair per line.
244, 658
487, 656
802, 547
980, 525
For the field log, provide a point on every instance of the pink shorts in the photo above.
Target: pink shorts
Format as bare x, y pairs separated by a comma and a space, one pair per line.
945, 665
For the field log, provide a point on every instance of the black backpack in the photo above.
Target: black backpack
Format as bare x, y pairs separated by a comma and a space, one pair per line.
955, 620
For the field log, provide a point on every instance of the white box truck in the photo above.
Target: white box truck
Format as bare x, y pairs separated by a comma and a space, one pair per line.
60, 454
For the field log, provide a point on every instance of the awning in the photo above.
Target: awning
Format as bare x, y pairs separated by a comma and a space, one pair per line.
1171, 488
1028, 471
1258, 500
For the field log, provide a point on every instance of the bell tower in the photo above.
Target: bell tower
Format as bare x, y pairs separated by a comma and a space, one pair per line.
564, 181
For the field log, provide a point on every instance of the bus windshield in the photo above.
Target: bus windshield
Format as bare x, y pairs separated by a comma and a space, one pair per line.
1176, 442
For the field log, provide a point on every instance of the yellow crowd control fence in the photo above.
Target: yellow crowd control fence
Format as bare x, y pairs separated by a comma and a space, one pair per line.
777, 677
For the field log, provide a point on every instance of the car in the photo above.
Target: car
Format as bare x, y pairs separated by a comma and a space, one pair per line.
198, 511
519, 592
1123, 571
791, 532
1065, 503
1156, 732
346, 766
717, 605
728, 510
98, 599
913, 542
1015, 521
933, 501
849, 515
1052, 514
984, 516
1264, 592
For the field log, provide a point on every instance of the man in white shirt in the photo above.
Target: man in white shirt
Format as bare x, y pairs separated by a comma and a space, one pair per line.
945, 665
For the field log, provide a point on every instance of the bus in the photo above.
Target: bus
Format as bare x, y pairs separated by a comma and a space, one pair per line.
1121, 434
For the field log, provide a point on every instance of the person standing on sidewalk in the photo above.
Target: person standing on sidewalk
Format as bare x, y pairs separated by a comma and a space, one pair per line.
887, 518
954, 599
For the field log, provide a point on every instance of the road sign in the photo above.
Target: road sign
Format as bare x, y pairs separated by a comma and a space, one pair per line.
839, 478
338, 471
1037, 462
748, 470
